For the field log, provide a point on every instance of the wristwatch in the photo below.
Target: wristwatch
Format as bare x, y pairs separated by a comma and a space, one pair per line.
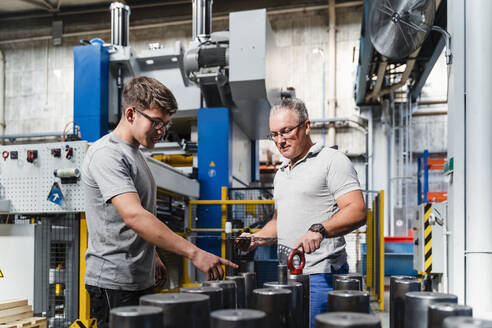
318, 227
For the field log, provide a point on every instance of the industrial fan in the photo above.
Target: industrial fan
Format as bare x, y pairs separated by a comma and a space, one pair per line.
399, 27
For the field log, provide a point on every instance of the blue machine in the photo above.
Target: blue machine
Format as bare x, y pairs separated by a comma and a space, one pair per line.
90, 94
238, 90
214, 168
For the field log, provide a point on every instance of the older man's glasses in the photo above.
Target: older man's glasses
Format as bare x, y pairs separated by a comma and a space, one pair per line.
287, 132
157, 124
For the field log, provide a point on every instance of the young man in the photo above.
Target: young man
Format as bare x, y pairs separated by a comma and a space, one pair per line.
317, 200
120, 195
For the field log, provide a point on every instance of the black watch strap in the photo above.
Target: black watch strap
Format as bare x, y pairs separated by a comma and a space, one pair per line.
318, 227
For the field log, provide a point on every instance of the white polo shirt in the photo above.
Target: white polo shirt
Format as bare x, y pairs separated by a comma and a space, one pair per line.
306, 194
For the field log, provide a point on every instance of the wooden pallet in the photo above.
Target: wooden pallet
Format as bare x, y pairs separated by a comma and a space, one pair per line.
18, 314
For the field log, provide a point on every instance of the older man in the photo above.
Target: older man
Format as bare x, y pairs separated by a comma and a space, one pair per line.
317, 200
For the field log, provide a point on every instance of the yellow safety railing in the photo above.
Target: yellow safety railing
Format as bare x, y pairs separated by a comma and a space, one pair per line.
223, 202
375, 249
84, 319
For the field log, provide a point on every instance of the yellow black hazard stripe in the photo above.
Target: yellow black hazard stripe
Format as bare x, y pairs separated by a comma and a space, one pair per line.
428, 239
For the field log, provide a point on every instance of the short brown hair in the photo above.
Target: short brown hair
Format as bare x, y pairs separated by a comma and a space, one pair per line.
147, 93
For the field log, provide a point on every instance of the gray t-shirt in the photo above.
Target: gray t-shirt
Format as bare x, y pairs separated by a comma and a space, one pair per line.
306, 194
116, 257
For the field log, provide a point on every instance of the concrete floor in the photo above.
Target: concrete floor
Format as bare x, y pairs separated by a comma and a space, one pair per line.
384, 316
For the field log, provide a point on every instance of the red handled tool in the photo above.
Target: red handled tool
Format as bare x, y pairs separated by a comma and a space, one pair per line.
292, 268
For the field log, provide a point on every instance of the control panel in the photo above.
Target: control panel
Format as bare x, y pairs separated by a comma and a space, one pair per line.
42, 178
429, 227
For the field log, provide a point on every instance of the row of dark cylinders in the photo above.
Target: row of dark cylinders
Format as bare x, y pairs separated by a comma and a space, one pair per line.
412, 308
235, 302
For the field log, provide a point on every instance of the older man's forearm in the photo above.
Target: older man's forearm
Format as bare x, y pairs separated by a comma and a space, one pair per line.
345, 220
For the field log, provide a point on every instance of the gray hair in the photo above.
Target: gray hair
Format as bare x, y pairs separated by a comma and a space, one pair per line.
295, 105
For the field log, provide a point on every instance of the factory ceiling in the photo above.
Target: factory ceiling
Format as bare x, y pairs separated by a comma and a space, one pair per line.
34, 18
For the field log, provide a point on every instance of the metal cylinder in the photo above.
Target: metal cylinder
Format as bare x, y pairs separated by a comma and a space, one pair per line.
466, 322
240, 318
201, 19
357, 276
249, 286
417, 306
135, 316
177, 309
229, 293
120, 24
348, 301
306, 296
296, 309
346, 284
215, 294
347, 319
399, 286
282, 274
440, 311
240, 290
276, 305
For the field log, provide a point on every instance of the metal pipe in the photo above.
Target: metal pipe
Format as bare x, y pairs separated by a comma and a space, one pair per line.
336, 119
447, 40
323, 88
201, 19
282, 274
332, 95
478, 223
347, 320
120, 24
440, 311
31, 135
177, 309
430, 113
135, 316
245, 318
231, 202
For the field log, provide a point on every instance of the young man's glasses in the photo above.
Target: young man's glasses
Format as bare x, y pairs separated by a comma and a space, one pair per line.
287, 132
156, 123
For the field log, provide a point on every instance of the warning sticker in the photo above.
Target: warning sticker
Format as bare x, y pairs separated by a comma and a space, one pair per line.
212, 164
1, 274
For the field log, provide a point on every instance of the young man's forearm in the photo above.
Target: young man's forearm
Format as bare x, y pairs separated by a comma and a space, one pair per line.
156, 232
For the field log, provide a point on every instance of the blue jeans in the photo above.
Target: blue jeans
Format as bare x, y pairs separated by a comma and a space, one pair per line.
321, 284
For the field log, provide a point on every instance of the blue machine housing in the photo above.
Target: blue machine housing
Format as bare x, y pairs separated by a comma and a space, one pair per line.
90, 94
214, 168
